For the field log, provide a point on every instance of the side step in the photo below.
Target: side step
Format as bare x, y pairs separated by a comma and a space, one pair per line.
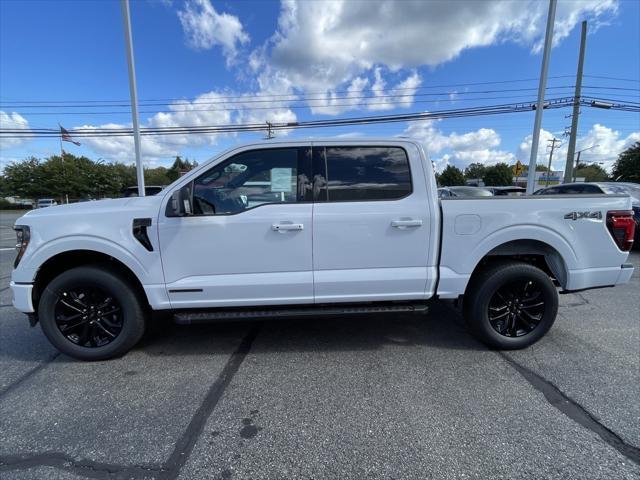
186, 317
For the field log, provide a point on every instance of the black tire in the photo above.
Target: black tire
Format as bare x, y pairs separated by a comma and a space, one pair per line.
526, 321
125, 318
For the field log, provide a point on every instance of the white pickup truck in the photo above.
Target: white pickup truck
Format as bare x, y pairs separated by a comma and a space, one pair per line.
319, 227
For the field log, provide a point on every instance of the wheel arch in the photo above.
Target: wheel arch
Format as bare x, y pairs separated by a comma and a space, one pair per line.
69, 259
534, 252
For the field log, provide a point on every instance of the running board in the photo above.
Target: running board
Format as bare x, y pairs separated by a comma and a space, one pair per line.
200, 316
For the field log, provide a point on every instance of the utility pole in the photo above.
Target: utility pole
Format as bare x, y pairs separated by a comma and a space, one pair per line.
531, 176
270, 134
553, 146
134, 95
568, 169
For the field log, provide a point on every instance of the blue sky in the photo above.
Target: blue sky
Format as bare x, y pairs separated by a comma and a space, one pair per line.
208, 62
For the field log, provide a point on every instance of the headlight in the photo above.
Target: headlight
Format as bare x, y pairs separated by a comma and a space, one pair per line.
23, 235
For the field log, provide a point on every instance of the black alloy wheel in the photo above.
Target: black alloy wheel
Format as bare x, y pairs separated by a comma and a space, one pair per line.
516, 309
510, 304
92, 312
88, 316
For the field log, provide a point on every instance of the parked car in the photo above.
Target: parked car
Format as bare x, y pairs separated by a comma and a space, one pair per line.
148, 190
446, 192
45, 202
607, 188
510, 191
352, 227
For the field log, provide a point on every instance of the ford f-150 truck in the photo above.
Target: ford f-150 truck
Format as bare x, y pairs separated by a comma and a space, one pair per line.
319, 227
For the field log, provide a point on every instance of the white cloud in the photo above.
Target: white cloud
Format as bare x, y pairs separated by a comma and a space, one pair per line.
608, 145
560, 153
208, 109
336, 48
461, 149
13, 121
321, 45
205, 28
482, 146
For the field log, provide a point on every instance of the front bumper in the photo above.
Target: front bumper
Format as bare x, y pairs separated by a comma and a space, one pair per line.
22, 296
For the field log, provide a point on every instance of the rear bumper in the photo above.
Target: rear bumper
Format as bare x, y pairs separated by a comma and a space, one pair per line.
626, 271
599, 277
22, 299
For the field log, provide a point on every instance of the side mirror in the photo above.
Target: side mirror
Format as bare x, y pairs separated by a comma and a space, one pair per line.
179, 204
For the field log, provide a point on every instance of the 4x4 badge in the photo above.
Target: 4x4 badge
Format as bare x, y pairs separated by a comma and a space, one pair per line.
578, 215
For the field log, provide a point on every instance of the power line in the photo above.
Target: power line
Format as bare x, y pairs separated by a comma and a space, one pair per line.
635, 80
451, 113
250, 99
275, 107
246, 100
495, 82
392, 118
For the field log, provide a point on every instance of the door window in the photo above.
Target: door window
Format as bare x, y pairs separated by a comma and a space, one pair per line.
367, 173
251, 179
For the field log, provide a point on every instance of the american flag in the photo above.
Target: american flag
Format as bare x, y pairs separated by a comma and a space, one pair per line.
66, 137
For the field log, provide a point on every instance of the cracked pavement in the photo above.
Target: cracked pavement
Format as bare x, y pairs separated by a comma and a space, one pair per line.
384, 396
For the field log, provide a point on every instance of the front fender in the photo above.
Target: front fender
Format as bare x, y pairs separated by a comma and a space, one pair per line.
33, 260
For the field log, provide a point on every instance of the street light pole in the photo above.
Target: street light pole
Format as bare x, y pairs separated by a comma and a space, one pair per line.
134, 95
531, 176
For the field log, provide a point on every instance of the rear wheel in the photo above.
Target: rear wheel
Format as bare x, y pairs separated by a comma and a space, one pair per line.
511, 305
91, 313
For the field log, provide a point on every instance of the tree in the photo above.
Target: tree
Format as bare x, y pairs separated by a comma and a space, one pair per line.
156, 176
627, 166
451, 176
475, 170
24, 178
498, 175
591, 172
180, 167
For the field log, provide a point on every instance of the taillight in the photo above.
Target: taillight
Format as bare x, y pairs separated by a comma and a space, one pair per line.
622, 227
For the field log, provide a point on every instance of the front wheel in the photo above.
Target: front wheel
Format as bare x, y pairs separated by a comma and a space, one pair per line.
91, 313
511, 305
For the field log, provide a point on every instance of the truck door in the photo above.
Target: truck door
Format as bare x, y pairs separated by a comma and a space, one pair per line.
248, 239
371, 224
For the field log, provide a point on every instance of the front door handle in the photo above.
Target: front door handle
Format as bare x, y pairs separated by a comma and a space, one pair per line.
405, 223
284, 227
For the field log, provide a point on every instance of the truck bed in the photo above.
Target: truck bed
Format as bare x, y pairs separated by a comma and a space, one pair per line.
570, 228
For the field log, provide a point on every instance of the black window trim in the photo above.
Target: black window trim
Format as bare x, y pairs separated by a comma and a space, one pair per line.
326, 171
305, 165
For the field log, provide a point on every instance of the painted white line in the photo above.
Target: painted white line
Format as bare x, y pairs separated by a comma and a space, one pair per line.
8, 248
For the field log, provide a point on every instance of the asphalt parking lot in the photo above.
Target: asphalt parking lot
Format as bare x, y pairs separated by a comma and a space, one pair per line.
378, 397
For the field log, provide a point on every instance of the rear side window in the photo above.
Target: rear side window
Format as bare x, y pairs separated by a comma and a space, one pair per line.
367, 173
591, 189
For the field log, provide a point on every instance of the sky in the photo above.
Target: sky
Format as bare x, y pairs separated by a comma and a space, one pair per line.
211, 62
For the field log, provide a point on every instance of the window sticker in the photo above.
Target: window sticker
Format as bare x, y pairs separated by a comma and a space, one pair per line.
281, 179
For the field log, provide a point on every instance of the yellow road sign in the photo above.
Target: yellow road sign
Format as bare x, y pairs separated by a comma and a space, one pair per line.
517, 168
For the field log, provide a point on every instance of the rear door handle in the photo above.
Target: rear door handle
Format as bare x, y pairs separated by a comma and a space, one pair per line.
406, 223
284, 227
